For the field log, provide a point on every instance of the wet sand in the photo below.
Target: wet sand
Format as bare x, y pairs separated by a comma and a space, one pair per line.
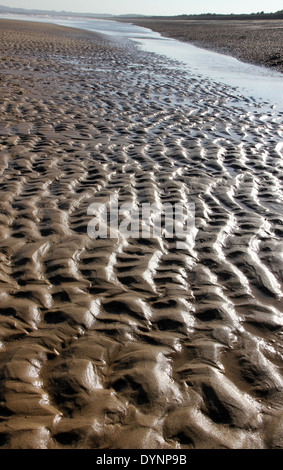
258, 42
135, 344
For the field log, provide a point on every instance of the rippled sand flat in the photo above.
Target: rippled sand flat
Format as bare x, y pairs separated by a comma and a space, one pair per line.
116, 343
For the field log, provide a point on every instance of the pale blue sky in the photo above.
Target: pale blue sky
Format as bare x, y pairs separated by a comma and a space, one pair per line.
150, 7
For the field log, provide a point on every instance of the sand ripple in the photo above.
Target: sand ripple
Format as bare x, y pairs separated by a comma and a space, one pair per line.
135, 344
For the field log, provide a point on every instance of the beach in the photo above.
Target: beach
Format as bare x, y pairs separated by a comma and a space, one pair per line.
135, 342
258, 42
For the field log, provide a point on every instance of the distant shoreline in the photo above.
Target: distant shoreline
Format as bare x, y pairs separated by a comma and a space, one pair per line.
203, 16
210, 16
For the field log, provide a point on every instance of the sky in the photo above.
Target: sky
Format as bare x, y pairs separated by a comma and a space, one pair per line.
150, 7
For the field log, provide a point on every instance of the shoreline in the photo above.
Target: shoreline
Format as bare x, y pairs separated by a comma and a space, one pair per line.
259, 42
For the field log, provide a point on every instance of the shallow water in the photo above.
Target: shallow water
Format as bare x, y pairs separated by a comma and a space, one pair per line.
250, 80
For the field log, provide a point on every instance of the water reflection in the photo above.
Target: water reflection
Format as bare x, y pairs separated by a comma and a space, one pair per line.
260, 83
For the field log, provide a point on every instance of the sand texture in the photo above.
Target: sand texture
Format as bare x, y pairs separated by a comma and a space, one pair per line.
255, 41
116, 343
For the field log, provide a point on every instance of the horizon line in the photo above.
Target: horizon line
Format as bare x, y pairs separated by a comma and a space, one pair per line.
136, 14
